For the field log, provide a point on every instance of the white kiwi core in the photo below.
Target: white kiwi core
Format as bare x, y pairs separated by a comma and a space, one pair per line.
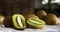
19, 21
33, 21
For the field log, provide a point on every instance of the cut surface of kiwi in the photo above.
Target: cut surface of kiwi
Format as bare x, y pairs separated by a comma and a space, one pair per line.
18, 21
37, 23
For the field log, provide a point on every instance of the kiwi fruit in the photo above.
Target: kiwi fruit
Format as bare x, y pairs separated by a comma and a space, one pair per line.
8, 21
51, 19
41, 14
17, 21
35, 23
30, 16
1, 19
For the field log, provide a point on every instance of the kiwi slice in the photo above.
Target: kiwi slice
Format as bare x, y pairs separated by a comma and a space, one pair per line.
36, 23
16, 21
19, 21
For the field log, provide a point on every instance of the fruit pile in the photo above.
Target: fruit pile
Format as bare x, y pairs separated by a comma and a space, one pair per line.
38, 21
50, 18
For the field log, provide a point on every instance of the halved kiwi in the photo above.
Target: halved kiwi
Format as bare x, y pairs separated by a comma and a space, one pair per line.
17, 21
36, 23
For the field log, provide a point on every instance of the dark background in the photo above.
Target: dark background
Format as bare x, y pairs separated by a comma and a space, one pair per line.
10, 7
54, 7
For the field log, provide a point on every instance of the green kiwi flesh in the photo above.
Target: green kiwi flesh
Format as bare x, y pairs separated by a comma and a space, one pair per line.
19, 21
37, 23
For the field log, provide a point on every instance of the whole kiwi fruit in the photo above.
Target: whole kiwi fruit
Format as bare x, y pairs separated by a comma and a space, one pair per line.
1, 19
51, 19
35, 23
30, 16
16, 21
41, 14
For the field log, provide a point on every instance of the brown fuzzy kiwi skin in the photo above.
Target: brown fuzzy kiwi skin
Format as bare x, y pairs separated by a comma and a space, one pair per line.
1, 19
8, 22
41, 14
30, 16
51, 19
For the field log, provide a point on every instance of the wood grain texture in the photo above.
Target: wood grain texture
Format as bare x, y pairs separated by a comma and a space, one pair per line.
15, 6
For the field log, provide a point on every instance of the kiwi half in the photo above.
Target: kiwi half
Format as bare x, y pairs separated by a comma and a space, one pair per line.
36, 23
16, 21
